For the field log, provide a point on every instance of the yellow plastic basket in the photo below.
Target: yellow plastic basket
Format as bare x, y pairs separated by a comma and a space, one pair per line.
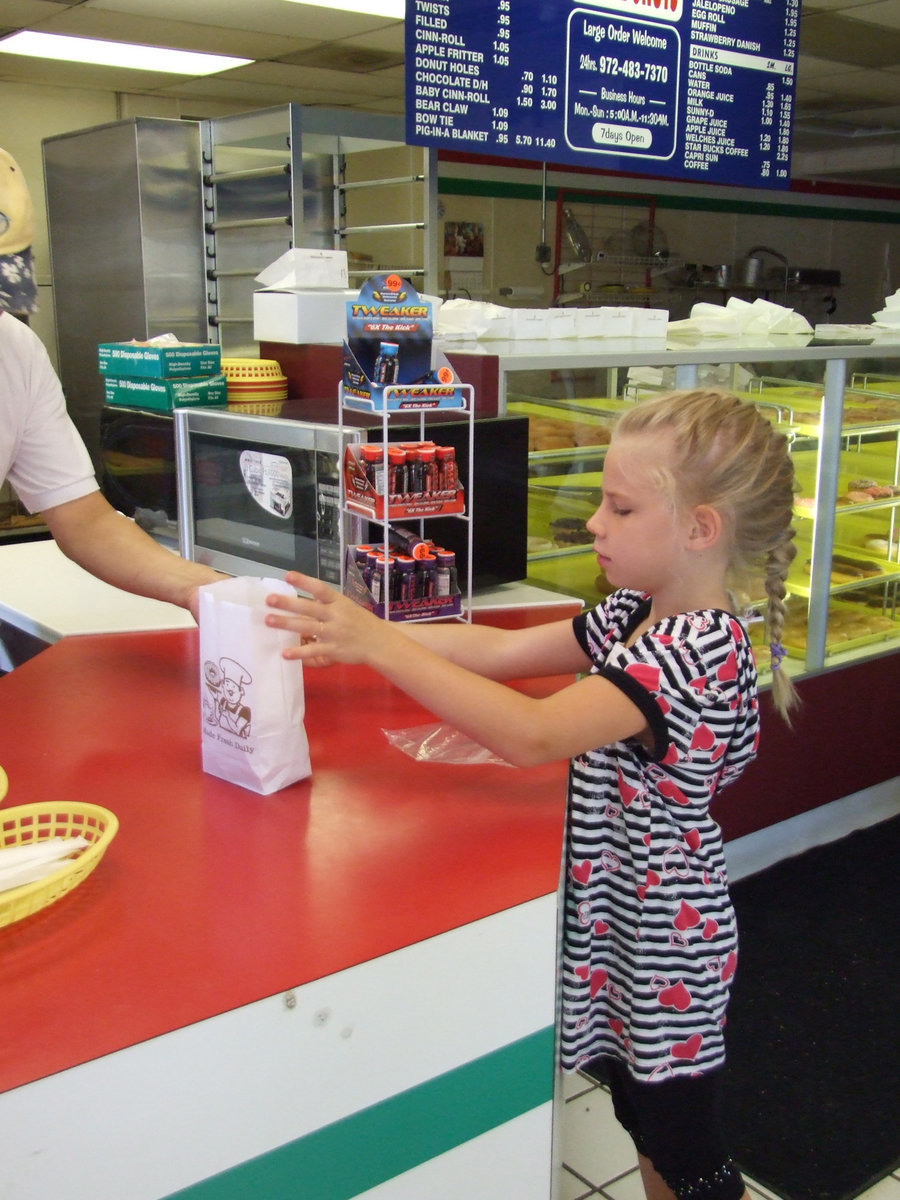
259, 370
258, 408
34, 822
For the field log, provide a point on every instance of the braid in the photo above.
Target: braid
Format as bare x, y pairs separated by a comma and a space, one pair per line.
778, 563
729, 456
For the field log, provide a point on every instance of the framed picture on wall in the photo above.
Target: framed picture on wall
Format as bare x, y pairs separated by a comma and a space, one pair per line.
463, 239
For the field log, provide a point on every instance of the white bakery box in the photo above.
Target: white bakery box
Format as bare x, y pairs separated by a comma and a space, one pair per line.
303, 298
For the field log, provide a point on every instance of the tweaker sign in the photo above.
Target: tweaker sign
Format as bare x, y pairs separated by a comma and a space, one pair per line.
682, 89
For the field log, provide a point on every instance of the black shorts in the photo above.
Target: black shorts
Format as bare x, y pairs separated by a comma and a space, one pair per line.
675, 1123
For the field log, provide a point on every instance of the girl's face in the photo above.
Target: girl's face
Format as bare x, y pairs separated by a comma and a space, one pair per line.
637, 533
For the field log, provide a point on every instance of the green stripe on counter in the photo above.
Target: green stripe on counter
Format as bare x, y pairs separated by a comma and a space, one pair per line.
786, 206
378, 1143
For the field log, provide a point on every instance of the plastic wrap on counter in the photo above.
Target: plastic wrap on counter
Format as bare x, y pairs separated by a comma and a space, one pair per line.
442, 744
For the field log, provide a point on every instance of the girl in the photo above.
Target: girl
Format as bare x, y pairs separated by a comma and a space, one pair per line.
697, 492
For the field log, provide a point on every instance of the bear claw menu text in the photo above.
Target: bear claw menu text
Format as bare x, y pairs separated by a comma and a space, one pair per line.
681, 89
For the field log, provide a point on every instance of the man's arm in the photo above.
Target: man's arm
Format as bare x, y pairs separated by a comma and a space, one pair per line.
112, 547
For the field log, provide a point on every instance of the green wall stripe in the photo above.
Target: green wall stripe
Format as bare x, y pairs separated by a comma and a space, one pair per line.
378, 1143
503, 189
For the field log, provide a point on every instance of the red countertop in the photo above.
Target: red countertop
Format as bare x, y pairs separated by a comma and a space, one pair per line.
212, 897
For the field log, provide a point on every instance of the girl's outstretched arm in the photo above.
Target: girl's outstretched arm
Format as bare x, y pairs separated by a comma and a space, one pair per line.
449, 680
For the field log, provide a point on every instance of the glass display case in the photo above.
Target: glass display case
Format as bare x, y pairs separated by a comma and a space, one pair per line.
838, 403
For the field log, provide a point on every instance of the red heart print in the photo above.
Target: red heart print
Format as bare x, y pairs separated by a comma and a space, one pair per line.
692, 837
610, 862
581, 872
689, 1049
598, 980
687, 917
675, 862
616, 1025
678, 939
647, 839
645, 674
728, 669
718, 752
582, 971
600, 927
671, 756
626, 791
676, 996
663, 705
730, 966
698, 683
668, 789
710, 929
737, 631
704, 738
651, 881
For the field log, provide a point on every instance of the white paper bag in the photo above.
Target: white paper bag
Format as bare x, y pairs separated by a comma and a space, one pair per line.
252, 700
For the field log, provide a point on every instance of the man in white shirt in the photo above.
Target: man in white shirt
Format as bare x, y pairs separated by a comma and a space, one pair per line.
41, 452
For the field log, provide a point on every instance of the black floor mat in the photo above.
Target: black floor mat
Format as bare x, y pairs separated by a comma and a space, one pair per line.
812, 1107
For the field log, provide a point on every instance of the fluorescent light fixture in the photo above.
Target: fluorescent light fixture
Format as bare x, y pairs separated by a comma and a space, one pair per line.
369, 8
116, 54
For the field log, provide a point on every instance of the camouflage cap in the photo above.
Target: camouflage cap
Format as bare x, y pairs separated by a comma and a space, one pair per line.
18, 289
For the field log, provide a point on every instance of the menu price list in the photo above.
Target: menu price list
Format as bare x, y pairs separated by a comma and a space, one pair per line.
687, 89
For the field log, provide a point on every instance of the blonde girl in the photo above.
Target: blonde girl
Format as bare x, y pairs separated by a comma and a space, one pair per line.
697, 497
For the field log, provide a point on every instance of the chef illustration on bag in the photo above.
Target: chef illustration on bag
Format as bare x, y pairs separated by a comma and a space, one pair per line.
225, 682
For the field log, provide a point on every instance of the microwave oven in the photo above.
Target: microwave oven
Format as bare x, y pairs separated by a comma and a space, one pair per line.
260, 495
138, 477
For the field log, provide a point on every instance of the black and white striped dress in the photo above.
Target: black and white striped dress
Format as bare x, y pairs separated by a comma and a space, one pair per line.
650, 941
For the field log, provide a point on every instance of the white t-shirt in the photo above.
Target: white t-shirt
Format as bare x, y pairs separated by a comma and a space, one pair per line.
41, 452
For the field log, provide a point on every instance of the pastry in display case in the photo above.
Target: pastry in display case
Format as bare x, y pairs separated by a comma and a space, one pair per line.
864, 571
859, 493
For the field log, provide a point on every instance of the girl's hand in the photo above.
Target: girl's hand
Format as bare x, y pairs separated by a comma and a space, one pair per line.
331, 627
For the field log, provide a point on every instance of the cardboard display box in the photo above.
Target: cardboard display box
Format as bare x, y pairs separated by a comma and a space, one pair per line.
390, 363
362, 497
418, 609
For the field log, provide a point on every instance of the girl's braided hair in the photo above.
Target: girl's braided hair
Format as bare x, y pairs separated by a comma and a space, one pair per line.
727, 455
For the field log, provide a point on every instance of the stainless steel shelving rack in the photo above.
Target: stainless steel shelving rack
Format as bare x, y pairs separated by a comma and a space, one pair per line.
290, 177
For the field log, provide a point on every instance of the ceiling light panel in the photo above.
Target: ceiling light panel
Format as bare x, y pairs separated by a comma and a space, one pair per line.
85, 21
64, 48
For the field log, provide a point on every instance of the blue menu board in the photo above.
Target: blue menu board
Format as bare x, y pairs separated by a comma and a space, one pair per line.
682, 89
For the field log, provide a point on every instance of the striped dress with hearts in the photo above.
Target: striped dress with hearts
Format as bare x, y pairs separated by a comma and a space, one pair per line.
650, 941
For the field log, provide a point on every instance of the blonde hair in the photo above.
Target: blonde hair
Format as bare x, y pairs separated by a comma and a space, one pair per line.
727, 455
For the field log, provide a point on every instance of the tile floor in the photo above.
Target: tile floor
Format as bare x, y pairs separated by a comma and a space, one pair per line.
599, 1159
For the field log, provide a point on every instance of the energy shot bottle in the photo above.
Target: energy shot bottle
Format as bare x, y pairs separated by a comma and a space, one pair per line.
387, 364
